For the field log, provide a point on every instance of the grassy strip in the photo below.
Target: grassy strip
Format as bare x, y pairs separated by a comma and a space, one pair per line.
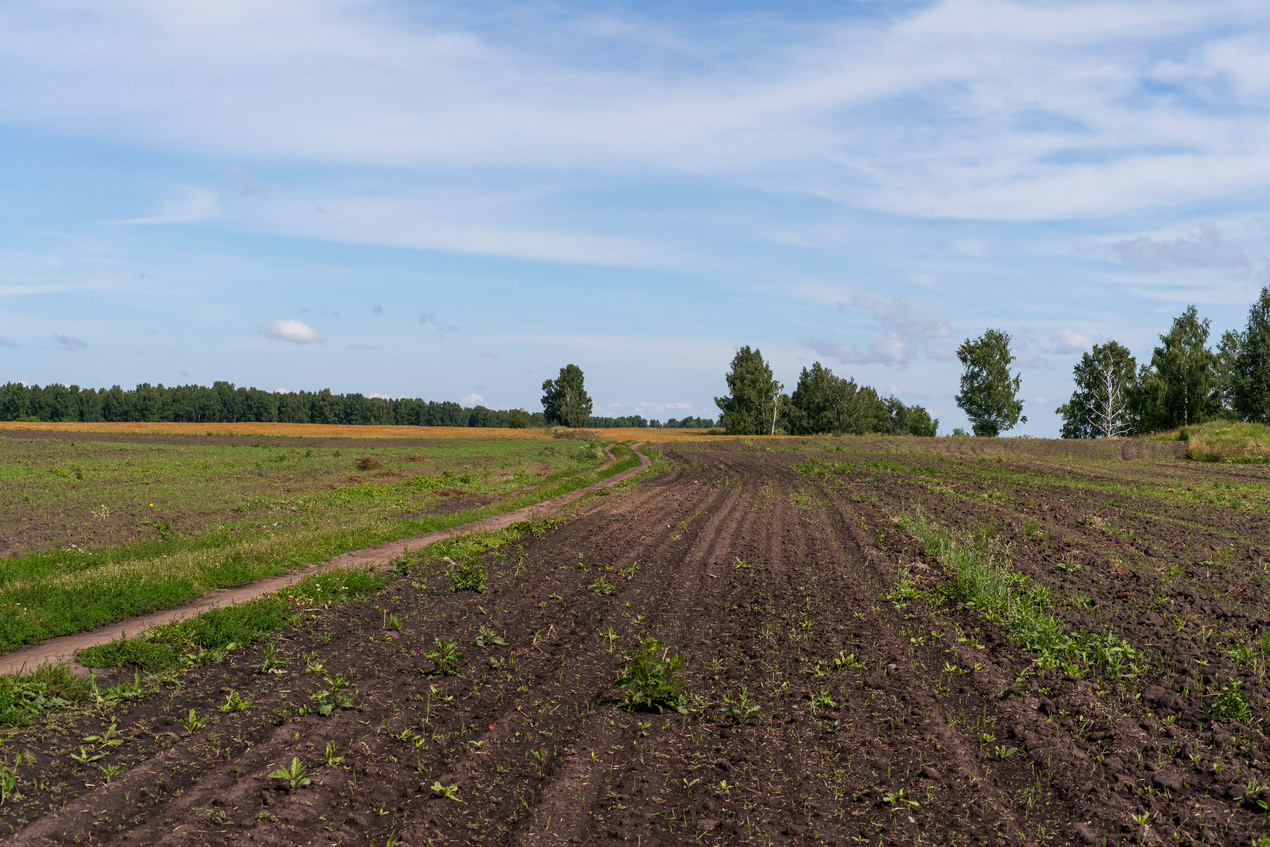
213, 634
984, 580
113, 585
1234, 443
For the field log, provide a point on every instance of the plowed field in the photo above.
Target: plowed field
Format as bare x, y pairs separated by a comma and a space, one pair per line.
844, 684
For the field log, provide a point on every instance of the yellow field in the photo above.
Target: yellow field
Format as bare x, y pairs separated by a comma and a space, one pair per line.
332, 431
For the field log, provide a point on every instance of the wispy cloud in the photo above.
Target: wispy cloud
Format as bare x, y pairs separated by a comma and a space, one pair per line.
1207, 248
193, 204
472, 399
905, 334
69, 342
443, 328
295, 332
361, 345
6, 341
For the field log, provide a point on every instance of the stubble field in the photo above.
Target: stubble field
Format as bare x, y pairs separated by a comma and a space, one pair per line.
883, 641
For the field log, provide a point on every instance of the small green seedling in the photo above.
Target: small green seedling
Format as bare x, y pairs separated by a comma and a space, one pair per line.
294, 775
449, 792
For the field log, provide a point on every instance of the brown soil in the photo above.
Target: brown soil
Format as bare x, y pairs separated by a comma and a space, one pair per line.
931, 728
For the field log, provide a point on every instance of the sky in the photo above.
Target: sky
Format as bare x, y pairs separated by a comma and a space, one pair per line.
454, 200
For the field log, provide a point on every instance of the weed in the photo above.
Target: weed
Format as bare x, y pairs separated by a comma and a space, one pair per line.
487, 637
445, 658
740, 563
1232, 703
234, 703
294, 774
469, 575
602, 586
107, 737
192, 722
109, 772
742, 709
650, 681
449, 792
330, 758
270, 661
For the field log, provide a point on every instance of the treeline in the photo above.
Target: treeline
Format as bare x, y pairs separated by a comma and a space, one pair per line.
224, 403
821, 403
1185, 382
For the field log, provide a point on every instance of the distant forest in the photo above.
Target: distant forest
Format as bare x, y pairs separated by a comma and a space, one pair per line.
223, 403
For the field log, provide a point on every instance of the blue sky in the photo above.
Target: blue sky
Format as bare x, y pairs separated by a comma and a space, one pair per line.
452, 201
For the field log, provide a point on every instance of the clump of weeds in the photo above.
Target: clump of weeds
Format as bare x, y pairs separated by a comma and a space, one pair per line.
445, 658
650, 682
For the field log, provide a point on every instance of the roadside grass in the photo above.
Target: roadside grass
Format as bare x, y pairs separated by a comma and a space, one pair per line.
211, 636
984, 580
1233, 443
43, 595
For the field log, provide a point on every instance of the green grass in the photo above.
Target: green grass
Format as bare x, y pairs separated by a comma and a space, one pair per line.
202, 637
984, 580
1235, 443
46, 594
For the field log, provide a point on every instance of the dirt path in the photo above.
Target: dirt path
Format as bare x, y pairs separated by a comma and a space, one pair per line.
63, 648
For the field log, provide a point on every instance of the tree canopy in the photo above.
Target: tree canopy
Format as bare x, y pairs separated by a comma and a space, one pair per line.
564, 399
1250, 374
1105, 379
1180, 386
750, 406
824, 403
989, 396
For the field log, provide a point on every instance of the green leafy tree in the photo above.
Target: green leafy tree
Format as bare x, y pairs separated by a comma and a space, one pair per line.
1250, 377
1099, 407
754, 396
989, 396
564, 399
518, 419
1181, 385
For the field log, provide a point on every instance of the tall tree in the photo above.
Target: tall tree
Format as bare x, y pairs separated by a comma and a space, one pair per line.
564, 399
1180, 386
1250, 382
989, 396
750, 406
1099, 407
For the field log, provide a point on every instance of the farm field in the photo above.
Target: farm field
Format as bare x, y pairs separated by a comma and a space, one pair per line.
885, 641
99, 526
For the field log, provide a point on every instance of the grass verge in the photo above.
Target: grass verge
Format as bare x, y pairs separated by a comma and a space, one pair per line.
46, 595
1234, 443
984, 580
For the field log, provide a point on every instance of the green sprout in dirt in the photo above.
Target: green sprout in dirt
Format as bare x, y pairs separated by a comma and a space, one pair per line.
741, 709
270, 661
445, 658
294, 774
330, 758
650, 681
338, 693
602, 586
107, 737
1232, 703
192, 722
449, 792
234, 703
489, 638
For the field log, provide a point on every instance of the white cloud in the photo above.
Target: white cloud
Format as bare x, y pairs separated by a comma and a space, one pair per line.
472, 400
905, 334
293, 331
960, 108
193, 204
1071, 341
6, 341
